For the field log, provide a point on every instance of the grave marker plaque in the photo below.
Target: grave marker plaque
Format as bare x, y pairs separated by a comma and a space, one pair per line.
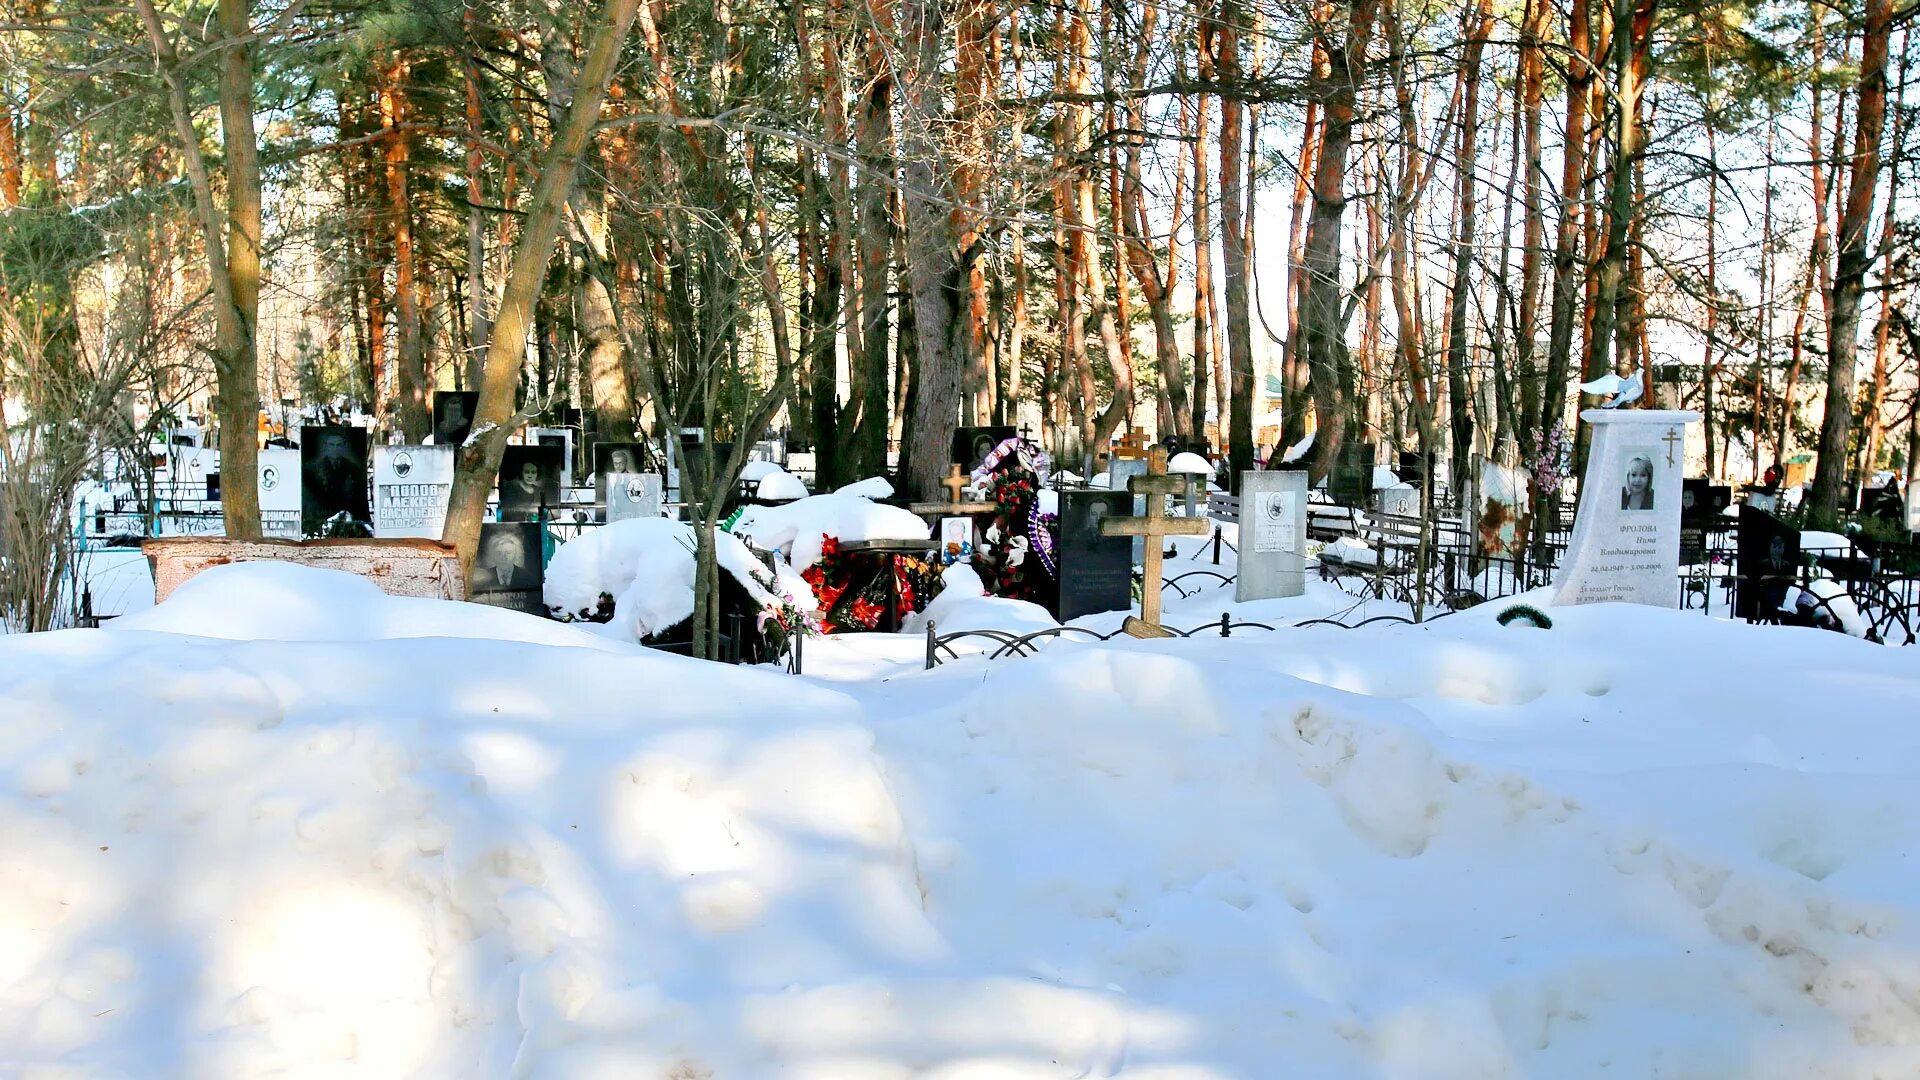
280, 494
507, 568
529, 480
1273, 528
453, 415
1626, 537
632, 495
411, 485
1096, 571
1351, 481
333, 476
1767, 560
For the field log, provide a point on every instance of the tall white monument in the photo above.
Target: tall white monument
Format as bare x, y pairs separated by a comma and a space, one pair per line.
1626, 538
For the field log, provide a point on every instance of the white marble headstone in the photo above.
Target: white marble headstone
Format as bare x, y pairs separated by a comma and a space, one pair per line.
279, 486
1626, 537
411, 485
1273, 532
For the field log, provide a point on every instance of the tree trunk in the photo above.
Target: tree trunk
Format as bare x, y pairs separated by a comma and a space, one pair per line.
1202, 241
1853, 259
1344, 48
1632, 36
1479, 26
479, 460
1566, 266
865, 417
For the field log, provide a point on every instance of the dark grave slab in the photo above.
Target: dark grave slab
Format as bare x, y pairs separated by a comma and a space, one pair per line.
453, 415
1351, 481
333, 476
508, 570
1096, 571
1767, 560
529, 480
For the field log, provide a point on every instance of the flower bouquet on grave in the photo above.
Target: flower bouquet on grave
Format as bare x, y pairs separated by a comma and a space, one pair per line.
1016, 558
783, 619
849, 602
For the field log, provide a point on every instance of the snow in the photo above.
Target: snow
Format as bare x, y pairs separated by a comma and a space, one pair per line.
284, 824
1384, 478
781, 484
796, 529
1189, 462
759, 469
647, 565
873, 487
1297, 450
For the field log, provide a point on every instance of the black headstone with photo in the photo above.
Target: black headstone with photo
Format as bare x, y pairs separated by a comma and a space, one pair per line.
971, 445
508, 570
1096, 572
529, 480
1767, 561
453, 415
1412, 467
694, 452
333, 477
1351, 481
616, 457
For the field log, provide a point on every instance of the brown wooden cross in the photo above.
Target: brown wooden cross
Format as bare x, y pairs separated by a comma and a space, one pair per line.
1157, 486
955, 483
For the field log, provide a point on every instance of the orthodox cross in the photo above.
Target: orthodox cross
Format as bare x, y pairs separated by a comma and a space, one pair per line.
955, 483
1673, 436
1155, 524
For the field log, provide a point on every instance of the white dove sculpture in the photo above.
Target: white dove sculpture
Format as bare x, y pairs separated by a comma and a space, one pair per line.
1622, 391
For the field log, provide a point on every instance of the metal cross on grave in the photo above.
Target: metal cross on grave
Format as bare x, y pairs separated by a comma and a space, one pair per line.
955, 483
1155, 524
1673, 436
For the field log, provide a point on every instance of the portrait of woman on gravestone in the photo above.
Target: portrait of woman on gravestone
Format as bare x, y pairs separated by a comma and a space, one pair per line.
529, 480
1637, 492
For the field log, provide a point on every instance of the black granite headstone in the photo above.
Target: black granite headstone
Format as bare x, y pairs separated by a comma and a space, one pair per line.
1096, 572
1351, 482
971, 445
529, 479
453, 415
1767, 560
507, 569
333, 476
1412, 467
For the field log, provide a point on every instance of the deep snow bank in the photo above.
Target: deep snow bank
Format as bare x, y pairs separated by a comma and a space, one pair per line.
1640, 844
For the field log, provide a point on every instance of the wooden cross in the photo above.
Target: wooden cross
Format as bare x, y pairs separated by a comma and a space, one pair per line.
1673, 436
955, 483
1157, 486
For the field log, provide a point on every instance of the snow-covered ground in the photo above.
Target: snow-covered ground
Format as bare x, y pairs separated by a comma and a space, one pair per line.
284, 825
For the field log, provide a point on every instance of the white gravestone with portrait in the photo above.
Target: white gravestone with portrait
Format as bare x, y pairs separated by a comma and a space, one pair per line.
632, 495
411, 485
280, 494
1273, 529
1626, 539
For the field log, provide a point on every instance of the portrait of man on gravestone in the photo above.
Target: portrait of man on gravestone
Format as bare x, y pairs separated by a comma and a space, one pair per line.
1090, 531
453, 416
615, 459
504, 561
333, 476
1636, 488
529, 480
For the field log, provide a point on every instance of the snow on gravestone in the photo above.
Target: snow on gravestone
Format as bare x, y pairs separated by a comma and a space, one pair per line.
280, 494
1626, 539
1273, 525
411, 485
632, 495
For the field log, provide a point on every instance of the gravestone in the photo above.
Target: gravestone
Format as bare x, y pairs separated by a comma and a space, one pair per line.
1413, 465
1400, 500
615, 457
399, 567
280, 494
1626, 536
956, 540
562, 438
632, 495
453, 415
1767, 561
529, 480
508, 570
971, 445
333, 476
1500, 519
1096, 571
1913, 506
411, 485
1763, 499
1351, 481
1273, 531
1120, 472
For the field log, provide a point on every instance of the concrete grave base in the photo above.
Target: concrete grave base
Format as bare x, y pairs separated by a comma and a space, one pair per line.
400, 567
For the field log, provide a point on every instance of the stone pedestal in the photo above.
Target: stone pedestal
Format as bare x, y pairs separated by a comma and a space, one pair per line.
399, 567
1626, 537
1273, 532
